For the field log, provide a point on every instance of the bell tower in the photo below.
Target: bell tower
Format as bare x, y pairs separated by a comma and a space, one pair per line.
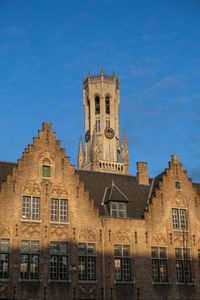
102, 145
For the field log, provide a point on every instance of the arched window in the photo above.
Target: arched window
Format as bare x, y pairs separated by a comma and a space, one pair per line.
107, 105
97, 105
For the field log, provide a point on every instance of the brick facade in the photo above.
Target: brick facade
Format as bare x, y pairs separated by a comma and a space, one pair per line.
79, 234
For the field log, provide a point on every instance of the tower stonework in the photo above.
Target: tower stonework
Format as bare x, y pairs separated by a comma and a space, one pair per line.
102, 145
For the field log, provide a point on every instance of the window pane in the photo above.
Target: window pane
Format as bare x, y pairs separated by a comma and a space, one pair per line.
54, 267
154, 251
63, 210
34, 246
34, 266
179, 271
54, 209
126, 250
54, 247
186, 253
91, 249
175, 218
155, 270
63, 248
82, 267
24, 266
117, 270
63, 267
162, 252
188, 271
126, 269
3, 265
107, 123
178, 253
97, 105
91, 268
26, 207
114, 210
82, 249
121, 210
24, 246
183, 218
118, 250
36, 208
163, 270
5, 245
46, 171
107, 105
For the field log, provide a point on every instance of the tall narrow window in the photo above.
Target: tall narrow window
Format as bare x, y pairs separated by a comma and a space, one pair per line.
46, 171
87, 261
183, 265
179, 218
159, 264
97, 105
29, 268
107, 122
98, 128
107, 105
31, 208
4, 257
122, 263
59, 261
59, 208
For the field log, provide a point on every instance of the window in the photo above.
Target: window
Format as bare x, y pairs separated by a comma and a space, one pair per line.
178, 185
98, 128
45, 171
4, 257
59, 210
122, 263
107, 122
159, 264
59, 260
179, 218
97, 105
29, 268
199, 257
107, 105
118, 210
87, 261
31, 208
183, 265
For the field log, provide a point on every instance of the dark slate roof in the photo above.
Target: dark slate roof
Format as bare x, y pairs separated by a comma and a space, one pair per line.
113, 193
97, 182
6, 169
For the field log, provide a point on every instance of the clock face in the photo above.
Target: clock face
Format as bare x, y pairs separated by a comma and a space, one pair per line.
109, 132
87, 136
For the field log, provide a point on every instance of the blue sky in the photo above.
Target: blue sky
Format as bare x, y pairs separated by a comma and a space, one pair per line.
46, 47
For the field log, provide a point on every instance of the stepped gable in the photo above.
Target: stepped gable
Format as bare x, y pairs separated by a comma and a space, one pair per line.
96, 184
6, 169
155, 183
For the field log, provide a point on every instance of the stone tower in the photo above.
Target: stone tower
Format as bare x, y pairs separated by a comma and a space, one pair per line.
102, 144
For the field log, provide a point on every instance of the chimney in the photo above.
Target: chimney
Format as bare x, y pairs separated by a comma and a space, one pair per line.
142, 173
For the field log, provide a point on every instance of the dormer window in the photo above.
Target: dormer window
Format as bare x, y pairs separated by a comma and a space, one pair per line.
45, 171
107, 105
118, 209
116, 202
97, 105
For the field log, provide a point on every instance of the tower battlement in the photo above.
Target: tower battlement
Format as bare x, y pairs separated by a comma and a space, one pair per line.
102, 77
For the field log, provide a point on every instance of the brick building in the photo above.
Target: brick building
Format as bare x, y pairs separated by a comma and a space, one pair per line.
96, 232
